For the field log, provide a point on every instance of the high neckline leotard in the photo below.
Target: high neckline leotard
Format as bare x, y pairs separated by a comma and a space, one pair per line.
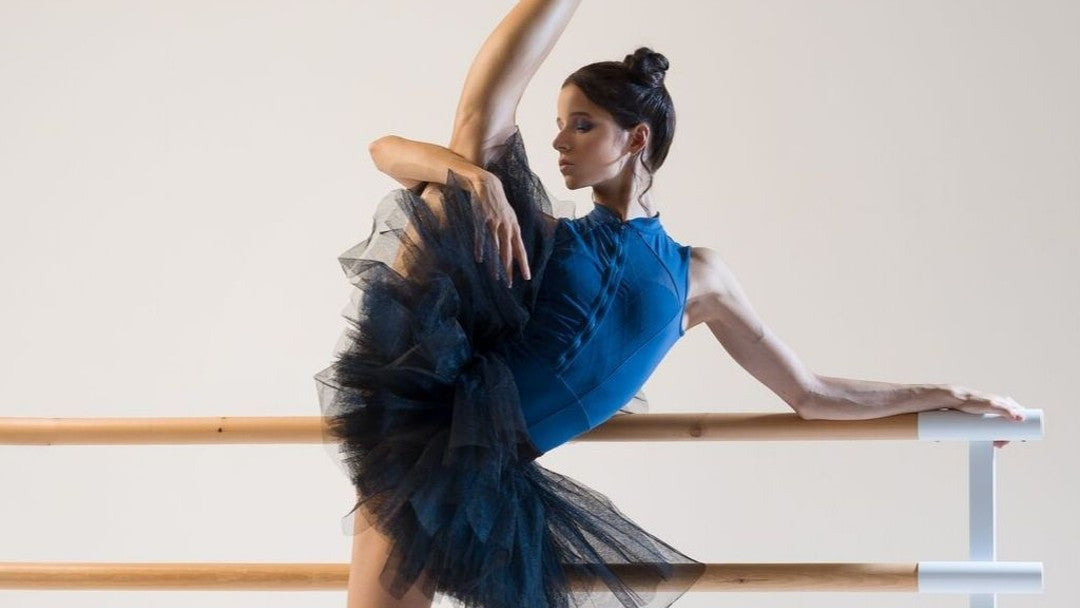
609, 308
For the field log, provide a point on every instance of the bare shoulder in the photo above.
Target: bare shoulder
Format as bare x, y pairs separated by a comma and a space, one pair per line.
709, 279
708, 272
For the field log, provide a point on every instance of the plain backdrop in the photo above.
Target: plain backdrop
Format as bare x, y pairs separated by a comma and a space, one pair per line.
894, 183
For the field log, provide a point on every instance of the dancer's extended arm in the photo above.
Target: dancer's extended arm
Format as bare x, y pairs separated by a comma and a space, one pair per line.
753, 346
500, 72
746, 338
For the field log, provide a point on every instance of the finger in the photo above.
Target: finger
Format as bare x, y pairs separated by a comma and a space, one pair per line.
507, 252
1016, 409
478, 235
522, 256
495, 244
1008, 408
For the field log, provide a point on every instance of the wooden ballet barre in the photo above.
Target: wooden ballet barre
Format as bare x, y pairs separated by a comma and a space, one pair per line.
937, 425
913, 577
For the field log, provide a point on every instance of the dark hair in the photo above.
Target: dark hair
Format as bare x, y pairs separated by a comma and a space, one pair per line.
633, 91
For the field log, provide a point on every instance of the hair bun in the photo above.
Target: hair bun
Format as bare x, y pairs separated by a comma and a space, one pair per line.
647, 67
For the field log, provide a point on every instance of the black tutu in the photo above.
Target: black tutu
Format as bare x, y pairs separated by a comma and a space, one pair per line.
430, 429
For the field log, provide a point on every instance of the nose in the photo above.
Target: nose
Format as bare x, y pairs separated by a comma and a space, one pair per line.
558, 143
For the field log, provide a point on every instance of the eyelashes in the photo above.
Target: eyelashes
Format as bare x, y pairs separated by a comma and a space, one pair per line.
580, 127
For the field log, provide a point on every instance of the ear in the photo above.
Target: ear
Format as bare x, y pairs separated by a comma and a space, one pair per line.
639, 137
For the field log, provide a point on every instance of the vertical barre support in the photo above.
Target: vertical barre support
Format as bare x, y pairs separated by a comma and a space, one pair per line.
982, 511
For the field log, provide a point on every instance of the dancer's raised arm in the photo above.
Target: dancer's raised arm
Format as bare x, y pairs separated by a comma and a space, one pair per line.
501, 71
486, 112
485, 117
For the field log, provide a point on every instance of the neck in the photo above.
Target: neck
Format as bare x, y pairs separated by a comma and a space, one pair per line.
622, 192
625, 204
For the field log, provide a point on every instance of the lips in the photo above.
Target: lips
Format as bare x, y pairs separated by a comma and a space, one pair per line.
563, 163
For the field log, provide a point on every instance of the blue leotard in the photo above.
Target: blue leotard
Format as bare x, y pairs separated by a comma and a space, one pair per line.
609, 308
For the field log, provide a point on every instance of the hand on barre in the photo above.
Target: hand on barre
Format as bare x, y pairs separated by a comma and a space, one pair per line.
978, 402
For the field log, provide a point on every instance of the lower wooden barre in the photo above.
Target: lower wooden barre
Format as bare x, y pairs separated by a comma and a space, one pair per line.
914, 577
699, 426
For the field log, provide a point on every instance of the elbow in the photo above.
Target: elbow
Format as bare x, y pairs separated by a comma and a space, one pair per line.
376, 149
806, 402
804, 409
373, 151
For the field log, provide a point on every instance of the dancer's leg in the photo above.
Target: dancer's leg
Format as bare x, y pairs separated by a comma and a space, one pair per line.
369, 552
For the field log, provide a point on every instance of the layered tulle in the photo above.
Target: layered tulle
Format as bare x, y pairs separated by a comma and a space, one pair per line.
430, 429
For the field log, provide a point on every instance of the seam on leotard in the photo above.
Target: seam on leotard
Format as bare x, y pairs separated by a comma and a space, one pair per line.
683, 289
663, 263
599, 307
626, 360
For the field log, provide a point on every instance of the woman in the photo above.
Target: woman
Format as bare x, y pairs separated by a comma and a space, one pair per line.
488, 328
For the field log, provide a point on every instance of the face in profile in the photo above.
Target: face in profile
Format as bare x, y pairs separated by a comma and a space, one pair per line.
588, 138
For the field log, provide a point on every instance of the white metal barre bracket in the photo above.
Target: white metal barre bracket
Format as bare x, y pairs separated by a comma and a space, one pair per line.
980, 434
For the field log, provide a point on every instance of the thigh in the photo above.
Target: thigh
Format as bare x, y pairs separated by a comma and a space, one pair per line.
369, 552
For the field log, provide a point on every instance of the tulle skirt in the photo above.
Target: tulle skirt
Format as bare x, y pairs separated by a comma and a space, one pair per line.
430, 430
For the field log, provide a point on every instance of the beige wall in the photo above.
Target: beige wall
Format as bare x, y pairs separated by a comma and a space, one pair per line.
894, 183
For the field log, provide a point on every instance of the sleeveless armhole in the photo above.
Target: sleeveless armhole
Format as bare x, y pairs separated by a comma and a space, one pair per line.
686, 253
